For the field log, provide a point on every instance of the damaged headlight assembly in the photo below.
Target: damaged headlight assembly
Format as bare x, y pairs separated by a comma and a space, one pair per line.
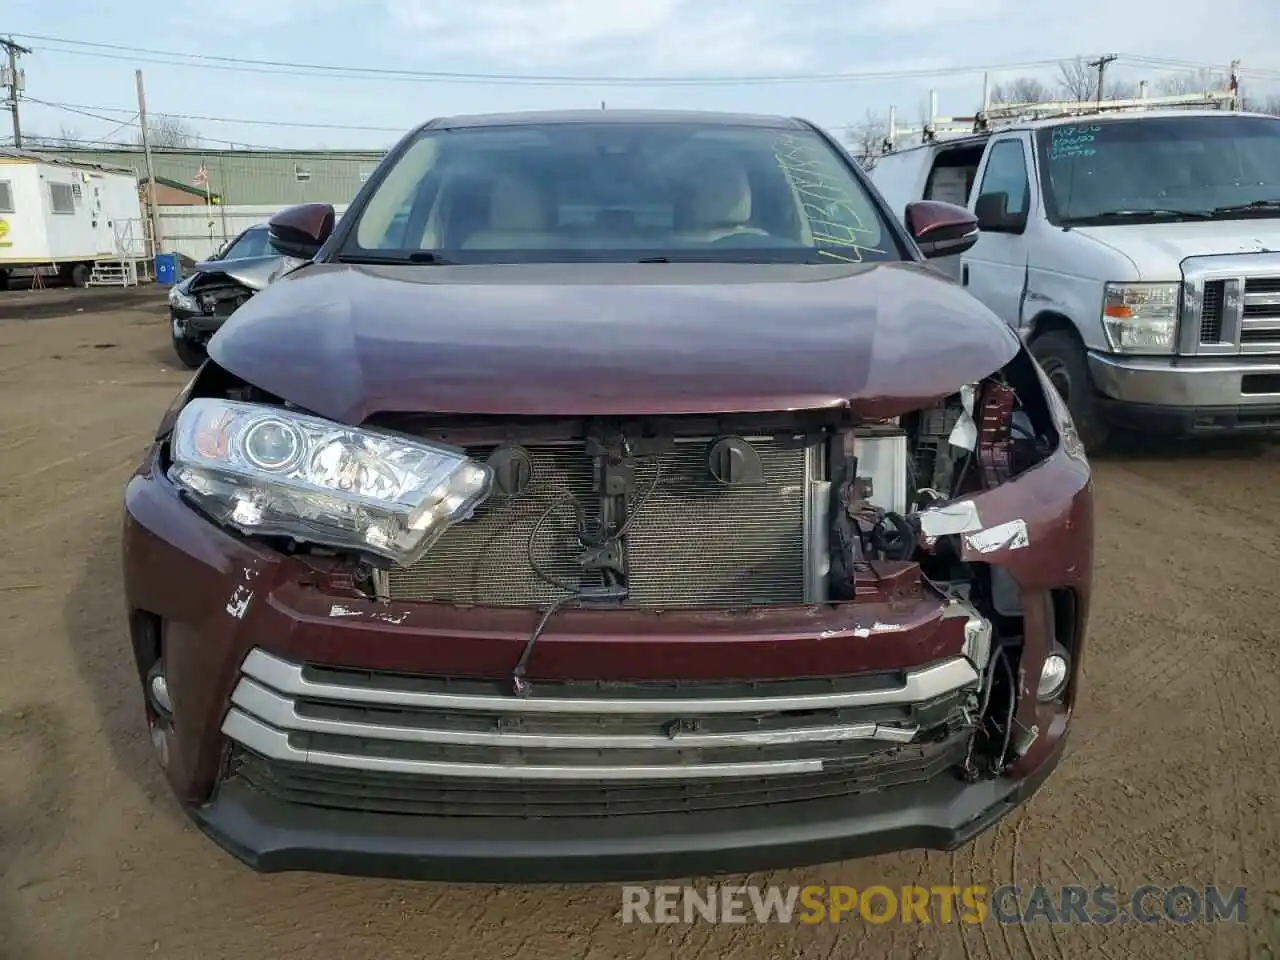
269, 471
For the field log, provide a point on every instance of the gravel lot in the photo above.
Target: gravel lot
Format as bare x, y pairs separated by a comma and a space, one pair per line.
1172, 774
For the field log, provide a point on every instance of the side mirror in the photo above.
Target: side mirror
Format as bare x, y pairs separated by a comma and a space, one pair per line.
992, 218
941, 229
302, 230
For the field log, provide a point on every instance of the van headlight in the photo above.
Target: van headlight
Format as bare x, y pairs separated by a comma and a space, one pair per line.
1141, 317
269, 471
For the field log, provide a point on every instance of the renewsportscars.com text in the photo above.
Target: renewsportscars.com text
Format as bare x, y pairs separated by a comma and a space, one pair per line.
1101, 904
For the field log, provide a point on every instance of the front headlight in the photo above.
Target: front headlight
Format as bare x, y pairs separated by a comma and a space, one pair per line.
269, 471
183, 301
1141, 317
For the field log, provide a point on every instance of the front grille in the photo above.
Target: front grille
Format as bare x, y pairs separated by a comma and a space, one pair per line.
454, 747
693, 541
1211, 313
1231, 305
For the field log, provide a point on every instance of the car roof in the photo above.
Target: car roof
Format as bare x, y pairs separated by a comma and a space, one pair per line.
701, 118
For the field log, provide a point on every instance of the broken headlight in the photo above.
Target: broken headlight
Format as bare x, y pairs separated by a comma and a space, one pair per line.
269, 471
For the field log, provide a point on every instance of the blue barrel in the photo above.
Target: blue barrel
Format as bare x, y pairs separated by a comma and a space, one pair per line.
167, 268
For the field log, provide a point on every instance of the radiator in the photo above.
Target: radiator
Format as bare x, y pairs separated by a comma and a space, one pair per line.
694, 542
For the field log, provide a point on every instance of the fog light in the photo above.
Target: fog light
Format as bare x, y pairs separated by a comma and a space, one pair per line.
1053, 677
159, 688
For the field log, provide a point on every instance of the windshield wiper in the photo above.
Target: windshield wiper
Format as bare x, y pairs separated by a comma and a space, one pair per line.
394, 260
1110, 216
1270, 204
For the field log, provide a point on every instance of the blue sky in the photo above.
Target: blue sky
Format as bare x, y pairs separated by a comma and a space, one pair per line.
650, 38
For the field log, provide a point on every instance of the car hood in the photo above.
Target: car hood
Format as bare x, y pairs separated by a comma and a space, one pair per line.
252, 272
349, 341
1157, 249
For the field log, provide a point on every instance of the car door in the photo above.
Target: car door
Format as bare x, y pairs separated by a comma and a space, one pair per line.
995, 269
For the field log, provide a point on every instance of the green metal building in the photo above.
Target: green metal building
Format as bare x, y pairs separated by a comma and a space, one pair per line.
244, 177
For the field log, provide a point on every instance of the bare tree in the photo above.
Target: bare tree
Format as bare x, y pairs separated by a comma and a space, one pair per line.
1077, 80
866, 139
68, 136
1020, 90
166, 131
1193, 81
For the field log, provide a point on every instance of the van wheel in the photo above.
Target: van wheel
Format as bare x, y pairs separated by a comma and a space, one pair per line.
1063, 362
80, 274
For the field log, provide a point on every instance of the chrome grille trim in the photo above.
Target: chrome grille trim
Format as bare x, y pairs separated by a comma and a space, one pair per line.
281, 713
923, 684
1231, 325
277, 745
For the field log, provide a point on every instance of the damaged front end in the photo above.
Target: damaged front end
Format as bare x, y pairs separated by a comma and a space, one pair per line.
612, 619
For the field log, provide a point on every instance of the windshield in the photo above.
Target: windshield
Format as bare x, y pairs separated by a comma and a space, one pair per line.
1178, 167
620, 192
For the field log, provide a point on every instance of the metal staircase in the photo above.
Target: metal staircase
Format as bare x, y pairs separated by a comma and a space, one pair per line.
114, 273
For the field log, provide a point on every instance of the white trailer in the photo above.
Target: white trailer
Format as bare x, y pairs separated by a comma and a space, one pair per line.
82, 222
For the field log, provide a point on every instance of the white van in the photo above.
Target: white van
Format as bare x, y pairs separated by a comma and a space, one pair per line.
1137, 253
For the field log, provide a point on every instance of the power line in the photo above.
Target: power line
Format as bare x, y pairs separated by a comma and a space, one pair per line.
197, 116
243, 64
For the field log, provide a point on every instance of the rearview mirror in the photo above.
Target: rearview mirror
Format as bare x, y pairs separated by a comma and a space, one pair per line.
941, 229
301, 231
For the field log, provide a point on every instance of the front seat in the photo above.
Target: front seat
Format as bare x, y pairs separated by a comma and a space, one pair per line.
518, 217
717, 204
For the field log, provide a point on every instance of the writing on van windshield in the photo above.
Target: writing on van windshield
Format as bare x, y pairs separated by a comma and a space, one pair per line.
1069, 142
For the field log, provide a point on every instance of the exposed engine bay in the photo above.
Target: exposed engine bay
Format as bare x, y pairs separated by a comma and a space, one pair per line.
218, 294
719, 512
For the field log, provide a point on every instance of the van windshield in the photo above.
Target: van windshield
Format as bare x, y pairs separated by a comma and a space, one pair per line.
619, 191
1170, 167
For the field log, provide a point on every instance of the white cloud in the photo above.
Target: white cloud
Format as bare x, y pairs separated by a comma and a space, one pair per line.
649, 36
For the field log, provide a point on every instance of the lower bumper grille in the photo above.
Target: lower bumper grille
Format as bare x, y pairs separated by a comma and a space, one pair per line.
402, 744
368, 792
693, 541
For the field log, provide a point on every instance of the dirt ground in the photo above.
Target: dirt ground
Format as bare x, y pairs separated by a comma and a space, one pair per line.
1172, 773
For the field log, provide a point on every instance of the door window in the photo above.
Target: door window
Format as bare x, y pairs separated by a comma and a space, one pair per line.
1006, 173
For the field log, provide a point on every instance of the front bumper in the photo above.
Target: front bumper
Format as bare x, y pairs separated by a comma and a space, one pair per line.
270, 835
217, 598
193, 326
1188, 397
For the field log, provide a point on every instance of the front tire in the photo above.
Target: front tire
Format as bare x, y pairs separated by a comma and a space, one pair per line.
190, 353
1063, 361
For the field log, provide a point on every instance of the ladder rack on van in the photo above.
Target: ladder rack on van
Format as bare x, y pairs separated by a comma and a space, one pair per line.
992, 116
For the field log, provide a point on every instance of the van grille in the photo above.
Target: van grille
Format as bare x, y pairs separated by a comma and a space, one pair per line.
1231, 305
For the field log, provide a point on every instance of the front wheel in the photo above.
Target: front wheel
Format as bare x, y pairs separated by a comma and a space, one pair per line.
1063, 361
190, 353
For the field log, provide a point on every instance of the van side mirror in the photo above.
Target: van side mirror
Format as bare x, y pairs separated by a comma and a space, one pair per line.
301, 231
940, 229
992, 218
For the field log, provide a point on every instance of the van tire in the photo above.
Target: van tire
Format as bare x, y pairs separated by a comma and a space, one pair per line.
1063, 361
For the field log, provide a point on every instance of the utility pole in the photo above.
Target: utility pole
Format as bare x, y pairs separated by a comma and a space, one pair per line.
157, 242
1101, 66
12, 78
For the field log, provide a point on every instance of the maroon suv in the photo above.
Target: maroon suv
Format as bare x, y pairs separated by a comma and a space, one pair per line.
609, 495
